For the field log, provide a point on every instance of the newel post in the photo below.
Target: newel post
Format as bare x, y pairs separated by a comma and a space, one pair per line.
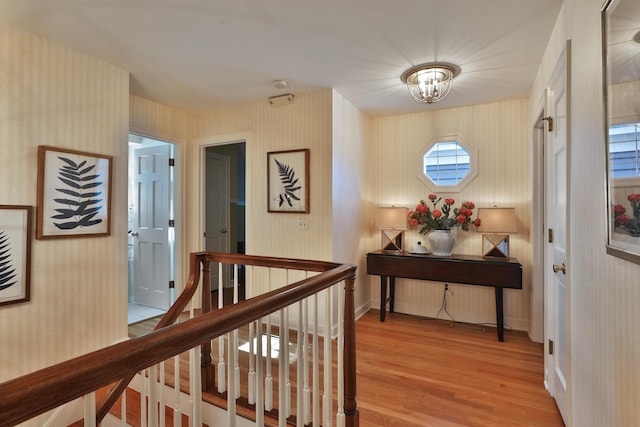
206, 367
350, 406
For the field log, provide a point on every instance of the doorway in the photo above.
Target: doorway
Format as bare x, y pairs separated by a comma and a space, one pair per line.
150, 227
225, 177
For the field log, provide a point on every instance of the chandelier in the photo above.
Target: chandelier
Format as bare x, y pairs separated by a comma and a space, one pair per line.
431, 82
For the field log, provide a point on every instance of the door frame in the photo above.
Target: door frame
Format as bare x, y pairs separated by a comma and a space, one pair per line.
177, 251
200, 208
539, 227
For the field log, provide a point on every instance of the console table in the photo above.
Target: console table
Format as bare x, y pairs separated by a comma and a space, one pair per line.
464, 269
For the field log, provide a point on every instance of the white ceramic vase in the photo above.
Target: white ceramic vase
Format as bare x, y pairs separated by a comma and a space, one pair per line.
441, 242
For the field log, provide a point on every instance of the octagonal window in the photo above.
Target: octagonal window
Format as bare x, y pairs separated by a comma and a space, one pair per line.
447, 165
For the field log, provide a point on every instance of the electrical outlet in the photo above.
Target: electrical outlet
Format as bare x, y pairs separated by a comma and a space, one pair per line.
302, 225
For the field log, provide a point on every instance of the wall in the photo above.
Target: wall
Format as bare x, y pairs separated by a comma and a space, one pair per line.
499, 132
604, 291
352, 193
54, 96
168, 124
306, 123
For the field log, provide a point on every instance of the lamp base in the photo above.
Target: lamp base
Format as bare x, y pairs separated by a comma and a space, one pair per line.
495, 246
392, 240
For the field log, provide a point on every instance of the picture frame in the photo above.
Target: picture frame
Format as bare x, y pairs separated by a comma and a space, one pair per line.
621, 99
74, 194
288, 181
16, 225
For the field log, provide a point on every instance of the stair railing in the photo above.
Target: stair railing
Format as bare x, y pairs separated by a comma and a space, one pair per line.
28, 396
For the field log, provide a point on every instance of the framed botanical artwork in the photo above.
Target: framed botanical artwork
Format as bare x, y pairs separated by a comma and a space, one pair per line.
16, 225
288, 181
74, 194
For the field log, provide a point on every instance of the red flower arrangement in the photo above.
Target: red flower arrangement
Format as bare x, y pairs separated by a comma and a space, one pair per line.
443, 218
629, 224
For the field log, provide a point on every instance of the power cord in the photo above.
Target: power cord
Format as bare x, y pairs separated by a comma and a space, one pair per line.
443, 307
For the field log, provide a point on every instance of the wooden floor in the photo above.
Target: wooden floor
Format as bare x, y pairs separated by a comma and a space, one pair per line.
417, 372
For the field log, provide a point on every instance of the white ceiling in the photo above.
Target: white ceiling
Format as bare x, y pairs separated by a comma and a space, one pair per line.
201, 55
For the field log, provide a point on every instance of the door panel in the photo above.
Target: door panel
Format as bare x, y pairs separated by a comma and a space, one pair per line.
217, 231
556, 288
151, 226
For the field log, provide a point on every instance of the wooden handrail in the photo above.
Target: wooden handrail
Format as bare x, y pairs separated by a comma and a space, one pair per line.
33, 394
106, 402
265, 261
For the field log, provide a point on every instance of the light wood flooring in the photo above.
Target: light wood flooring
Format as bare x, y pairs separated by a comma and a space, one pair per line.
418, 372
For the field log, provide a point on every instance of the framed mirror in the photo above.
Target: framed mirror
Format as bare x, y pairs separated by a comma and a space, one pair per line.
621, 83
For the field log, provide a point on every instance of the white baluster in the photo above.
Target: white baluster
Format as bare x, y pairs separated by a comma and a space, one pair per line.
316, 365
284, 348
305, 352
195, 385
163, 403
123, 413
268, 381
143, 399
153, 396
260, 396
251, 376
233, 383
327, 402
177, 412
90, 409
282, 369
340, 418
300, 361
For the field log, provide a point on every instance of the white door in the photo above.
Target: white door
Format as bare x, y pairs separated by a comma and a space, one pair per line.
217, 214
150, 231
556, 286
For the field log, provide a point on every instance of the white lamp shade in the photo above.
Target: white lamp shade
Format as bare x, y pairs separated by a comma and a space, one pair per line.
497, 220
392, 218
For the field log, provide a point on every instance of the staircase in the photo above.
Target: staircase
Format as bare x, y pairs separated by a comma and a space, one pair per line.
228, 357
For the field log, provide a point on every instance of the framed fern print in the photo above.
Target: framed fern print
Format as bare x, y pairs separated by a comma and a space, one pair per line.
288, 181
74, 194
16, 225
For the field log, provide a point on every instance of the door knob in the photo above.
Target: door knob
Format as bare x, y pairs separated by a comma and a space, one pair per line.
224, 230
134, 234
558, 267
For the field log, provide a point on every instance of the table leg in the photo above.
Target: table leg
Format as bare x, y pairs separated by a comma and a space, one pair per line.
499, 314
383, 297
392, 293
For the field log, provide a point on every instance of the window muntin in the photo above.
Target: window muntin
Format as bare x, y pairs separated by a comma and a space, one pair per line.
624, 151
447, 163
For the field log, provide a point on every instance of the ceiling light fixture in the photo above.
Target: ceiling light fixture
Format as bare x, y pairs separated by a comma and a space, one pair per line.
431, 82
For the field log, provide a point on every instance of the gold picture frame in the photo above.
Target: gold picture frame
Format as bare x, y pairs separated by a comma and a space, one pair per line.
74, 194
16, 225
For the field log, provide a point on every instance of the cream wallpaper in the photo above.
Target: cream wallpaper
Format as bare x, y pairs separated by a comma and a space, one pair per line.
604, 291
352, 193
54, 96
306, 123
168, 124
499, 133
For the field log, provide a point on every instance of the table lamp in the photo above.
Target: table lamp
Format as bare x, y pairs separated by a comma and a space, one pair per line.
392, 223
495, 224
